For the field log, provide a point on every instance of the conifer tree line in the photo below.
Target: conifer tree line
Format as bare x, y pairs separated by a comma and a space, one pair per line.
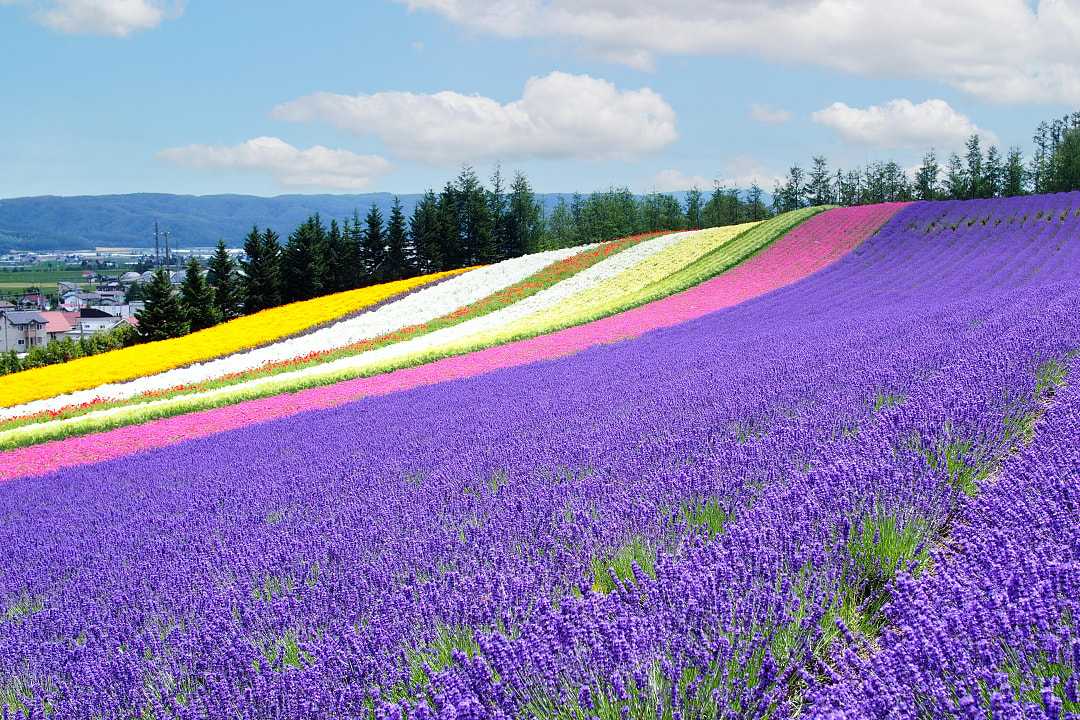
974, 173
464, 224
467, 223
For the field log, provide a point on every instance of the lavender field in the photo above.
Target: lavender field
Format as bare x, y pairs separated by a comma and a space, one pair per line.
856, 496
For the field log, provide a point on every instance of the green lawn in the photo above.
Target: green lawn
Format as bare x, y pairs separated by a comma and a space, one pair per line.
22, 278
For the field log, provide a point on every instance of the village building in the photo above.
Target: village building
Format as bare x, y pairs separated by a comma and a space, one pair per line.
21, 330
59, 325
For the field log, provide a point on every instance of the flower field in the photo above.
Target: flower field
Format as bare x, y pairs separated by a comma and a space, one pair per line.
811, 246
827, 466
615, 267
564, 273
236, 335
416, 308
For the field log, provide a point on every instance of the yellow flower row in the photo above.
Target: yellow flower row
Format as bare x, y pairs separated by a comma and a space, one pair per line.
234, 336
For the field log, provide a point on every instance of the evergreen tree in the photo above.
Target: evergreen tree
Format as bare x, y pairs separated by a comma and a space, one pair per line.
1040, 161
791, 194
927, 176
398, 256
273, 255
819, 189
304, 265
355, 271
262, 270
956, 181
338, 271
524, 222
475, 220
1015, 176
197, 298
373, 247
974, 170
424, 234
993, 174
561, 231
755, 203
162, 317
671, 213
693, 208
222, 276
497, 208
1064, 164
725, 208
896, 184
451, 246
849, 191
651, 213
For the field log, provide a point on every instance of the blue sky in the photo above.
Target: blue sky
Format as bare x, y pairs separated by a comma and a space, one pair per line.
110, 96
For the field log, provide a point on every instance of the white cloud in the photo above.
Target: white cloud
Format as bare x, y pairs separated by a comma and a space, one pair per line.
769, 115
743, 171
739, 172
901, 124
558, 116
316, 167
117, 18
673, 180
1002, 50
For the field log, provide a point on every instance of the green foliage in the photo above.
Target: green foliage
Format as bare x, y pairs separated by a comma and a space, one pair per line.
1063, 165
59, 351
621, 562
372, 246
426, 659
878, 547
221, 274
16, 696
282, 653
163, 316
399, 254
694, 219
962, 469
197, 298
475, 232
927, 178
24, 607
884, 400
305, 261
1050, 376
274, 586
524, 226
424, 234
261, 287
1029, 676
707, 516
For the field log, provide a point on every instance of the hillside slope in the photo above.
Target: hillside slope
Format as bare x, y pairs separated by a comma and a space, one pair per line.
623, 281
741, 512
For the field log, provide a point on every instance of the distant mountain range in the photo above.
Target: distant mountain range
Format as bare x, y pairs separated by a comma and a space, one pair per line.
85, 222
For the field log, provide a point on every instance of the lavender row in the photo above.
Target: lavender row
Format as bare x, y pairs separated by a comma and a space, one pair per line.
992, 631
330, 563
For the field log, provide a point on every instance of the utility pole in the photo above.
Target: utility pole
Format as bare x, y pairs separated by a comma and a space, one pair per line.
168, 258
157, 247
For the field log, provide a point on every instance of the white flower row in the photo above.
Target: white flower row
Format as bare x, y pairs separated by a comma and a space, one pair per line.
416, 308
433, 342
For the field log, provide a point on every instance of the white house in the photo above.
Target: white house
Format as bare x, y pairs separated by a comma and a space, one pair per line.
94, 320
21, 330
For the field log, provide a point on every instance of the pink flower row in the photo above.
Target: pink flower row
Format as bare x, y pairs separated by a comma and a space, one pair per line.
818, 242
